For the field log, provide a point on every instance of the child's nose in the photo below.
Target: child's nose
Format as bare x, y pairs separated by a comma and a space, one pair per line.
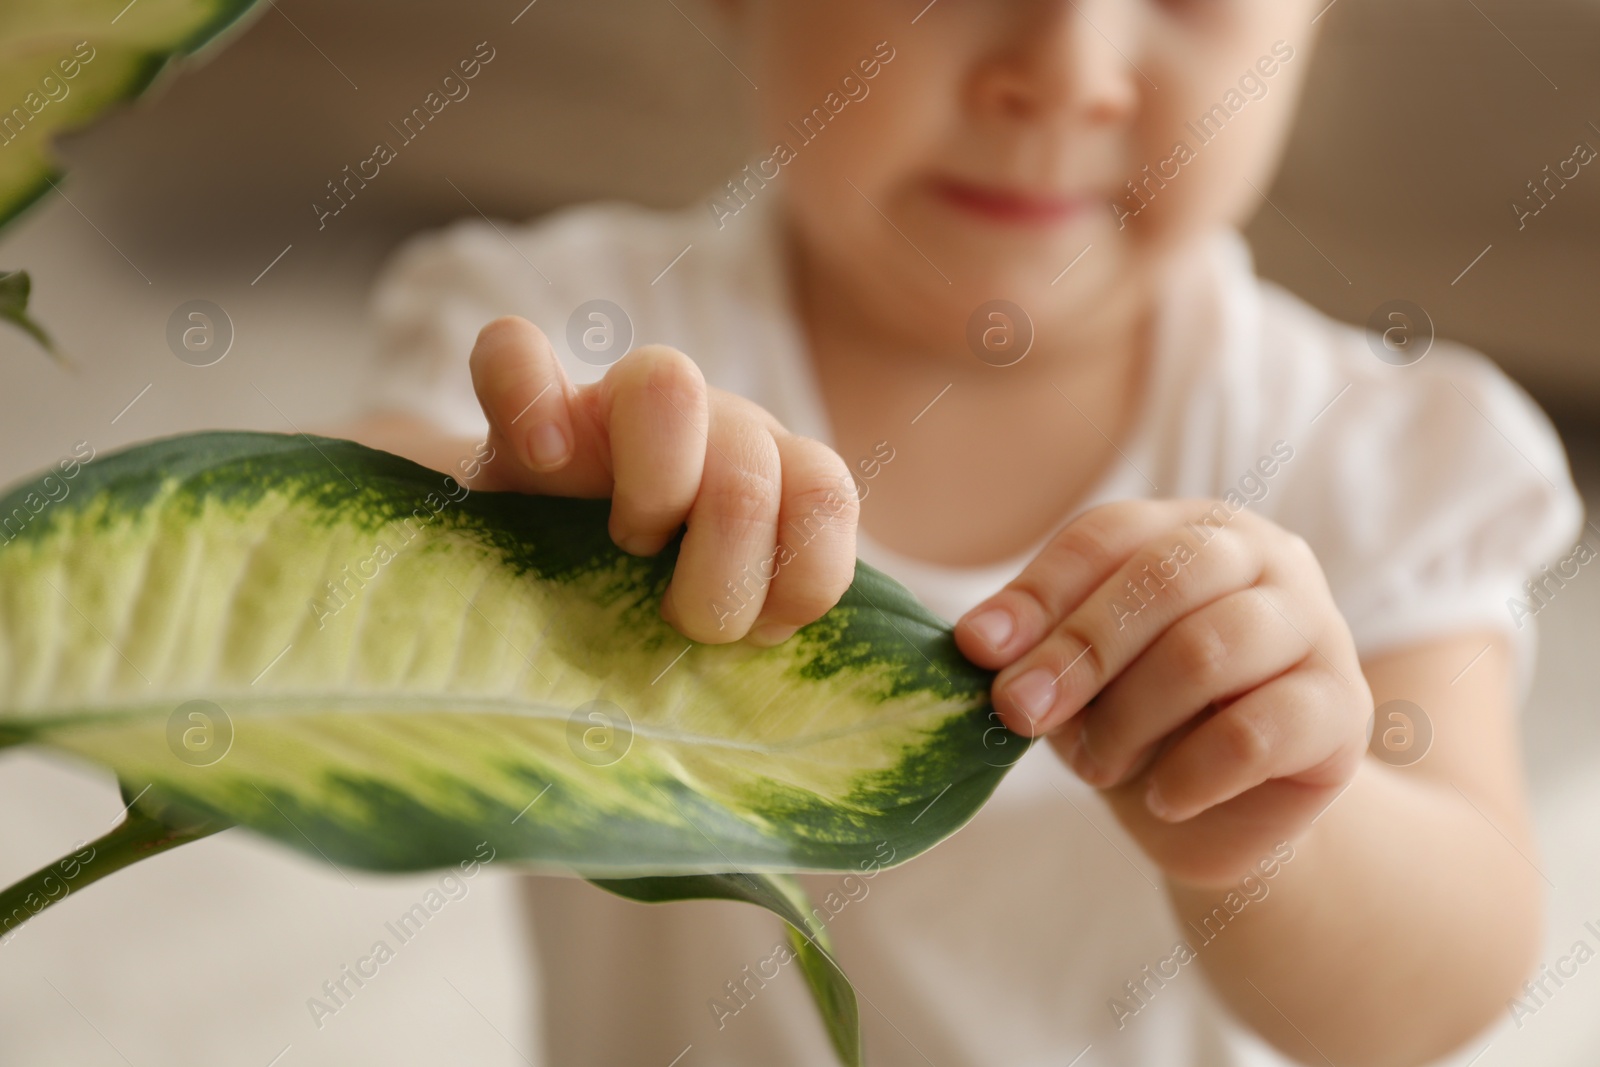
1063, 57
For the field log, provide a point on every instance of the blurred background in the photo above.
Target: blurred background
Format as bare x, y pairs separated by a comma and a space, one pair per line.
1423, 120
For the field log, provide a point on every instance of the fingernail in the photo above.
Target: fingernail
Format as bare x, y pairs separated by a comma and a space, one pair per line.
767, 634
1034, 693
548, 446
994, 626
1157, 806
637, 545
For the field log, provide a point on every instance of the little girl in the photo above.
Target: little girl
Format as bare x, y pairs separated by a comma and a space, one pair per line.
980, 299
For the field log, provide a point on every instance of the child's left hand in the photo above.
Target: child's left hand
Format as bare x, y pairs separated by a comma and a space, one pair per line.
1200, 674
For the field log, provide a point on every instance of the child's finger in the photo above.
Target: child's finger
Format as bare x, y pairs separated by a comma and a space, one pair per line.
657, 416
1283, 729
1076, 561
815, 560
720, 580
1228, 647
524, 392
1115, 624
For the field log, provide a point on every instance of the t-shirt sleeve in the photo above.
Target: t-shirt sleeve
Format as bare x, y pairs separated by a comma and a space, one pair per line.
429, 302
1432, 494
440, 288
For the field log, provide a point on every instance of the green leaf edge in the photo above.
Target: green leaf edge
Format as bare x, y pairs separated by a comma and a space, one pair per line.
15, 288
140, 836
142, 77
831, 990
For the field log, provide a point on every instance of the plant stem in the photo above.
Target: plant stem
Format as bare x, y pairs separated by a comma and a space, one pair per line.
135, 838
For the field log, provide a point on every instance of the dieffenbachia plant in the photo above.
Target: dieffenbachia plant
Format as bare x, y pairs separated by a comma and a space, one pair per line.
355, 655
62, 63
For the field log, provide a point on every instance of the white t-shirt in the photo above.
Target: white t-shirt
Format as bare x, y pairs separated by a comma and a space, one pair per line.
1430, 493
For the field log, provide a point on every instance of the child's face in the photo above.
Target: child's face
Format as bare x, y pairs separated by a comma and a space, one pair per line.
1000, 136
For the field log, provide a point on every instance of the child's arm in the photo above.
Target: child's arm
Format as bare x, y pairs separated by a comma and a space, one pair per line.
1219, 702
669, 452
1410, 913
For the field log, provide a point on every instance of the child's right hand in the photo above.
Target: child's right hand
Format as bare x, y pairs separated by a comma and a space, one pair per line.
771, 515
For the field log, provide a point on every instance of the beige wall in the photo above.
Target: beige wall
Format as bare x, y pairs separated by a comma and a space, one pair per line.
1422, 123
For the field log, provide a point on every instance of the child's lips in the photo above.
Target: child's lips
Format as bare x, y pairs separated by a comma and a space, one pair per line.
1008, 206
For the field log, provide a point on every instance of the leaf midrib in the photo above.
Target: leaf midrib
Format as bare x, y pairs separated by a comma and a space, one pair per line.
294, 705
